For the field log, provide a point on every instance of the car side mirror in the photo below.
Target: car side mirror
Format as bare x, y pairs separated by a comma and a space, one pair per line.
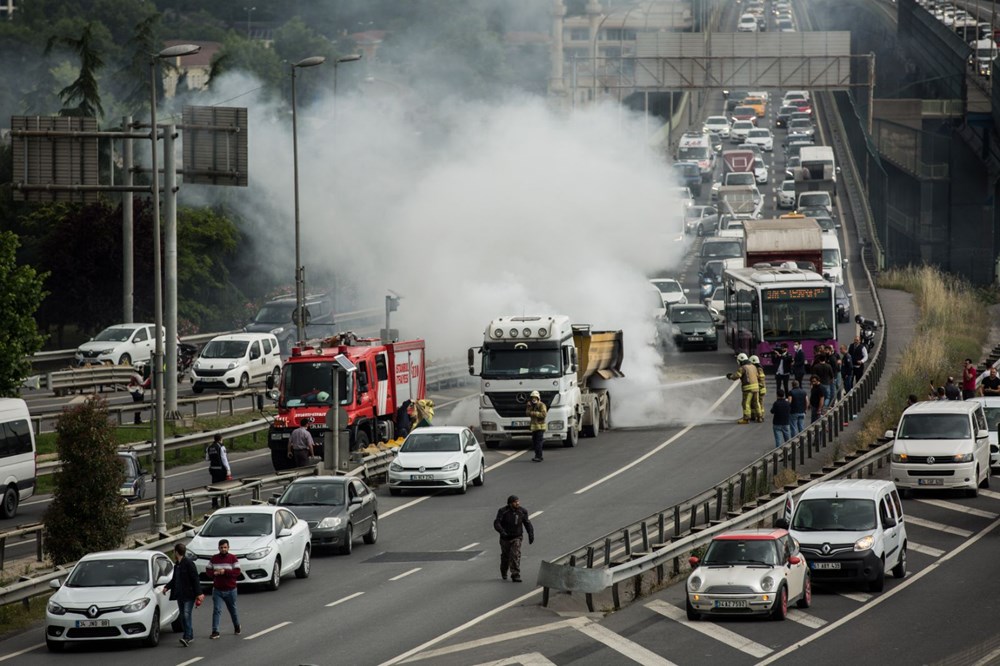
794, 560
890, 434
355, 500
272, 500
285, 532
191, 533
888, 522
693, 561
781, 524
55, 584
163, 580
845, 263
981, 434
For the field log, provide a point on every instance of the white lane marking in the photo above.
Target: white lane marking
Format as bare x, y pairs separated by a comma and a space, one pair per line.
659, 448
266, 631
910, 580
347, 598
470, 546
572, 623
406, 573
527, 659
624, 646
710, 629
940, 527
988, 658
190, 661
992, 494
926, 550
459, 629
860, 597
537, 513
961, 508
20, 652
811, 621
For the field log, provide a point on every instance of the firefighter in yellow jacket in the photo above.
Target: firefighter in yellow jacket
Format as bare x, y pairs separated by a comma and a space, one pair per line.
762, 388
748, 378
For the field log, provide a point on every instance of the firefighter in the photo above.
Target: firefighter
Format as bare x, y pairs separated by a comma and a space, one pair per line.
762, 384
747, 376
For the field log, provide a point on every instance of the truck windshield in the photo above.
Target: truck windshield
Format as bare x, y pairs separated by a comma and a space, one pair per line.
499, 363
306, 384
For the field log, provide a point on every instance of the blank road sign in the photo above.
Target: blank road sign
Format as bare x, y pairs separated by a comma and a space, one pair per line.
53, 159
215, 145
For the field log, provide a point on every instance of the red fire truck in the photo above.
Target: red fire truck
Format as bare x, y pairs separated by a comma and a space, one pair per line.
387, 375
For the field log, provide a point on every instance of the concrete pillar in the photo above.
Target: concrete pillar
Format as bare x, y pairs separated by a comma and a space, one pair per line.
557, 84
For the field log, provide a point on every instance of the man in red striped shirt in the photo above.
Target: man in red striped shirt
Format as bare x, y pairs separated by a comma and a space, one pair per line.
225, 571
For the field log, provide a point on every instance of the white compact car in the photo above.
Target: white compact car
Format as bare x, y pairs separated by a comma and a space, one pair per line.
436, 458
750, 572
760, 171
670, 290
740, 129
748, 23
761, 136
269, 541
121, 344
717, 125
786, 194
236, 361
112, 595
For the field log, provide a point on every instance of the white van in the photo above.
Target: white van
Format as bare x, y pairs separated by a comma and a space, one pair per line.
941, 444
697, 147
851, 531
236, 361
17, 455
833, 261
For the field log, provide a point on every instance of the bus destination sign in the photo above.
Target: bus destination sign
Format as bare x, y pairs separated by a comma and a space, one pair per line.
796, 294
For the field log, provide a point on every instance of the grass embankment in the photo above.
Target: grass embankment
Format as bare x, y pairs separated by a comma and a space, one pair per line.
953, 325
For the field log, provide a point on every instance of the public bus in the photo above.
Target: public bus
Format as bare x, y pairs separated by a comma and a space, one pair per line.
766, 307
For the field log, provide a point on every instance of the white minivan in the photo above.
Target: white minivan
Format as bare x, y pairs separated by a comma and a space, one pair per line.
236, 360
941, 444
17, 455
833, 261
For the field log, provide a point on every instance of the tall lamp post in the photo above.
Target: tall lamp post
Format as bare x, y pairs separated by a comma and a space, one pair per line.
348, 58
300, 278
159, 454
248, 10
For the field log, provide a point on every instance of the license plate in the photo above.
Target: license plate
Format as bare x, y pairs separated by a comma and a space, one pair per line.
825, 565
421, 477
930, 482
90, 624
732, 603
519, 424
695, 338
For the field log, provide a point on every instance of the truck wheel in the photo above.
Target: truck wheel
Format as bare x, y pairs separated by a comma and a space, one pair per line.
606, 416
571, 437
360, 440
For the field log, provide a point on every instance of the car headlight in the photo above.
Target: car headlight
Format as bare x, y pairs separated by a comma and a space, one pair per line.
395, 467
197, 366
328, 523
55, 609
864, 543
964, 457
450, 467
557, 425
694, 583
278, 331
900, 458
136, 606
230, 366
260, 553
767, 583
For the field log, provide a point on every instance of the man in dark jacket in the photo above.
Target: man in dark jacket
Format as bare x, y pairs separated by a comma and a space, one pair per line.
218, 464
184, 588
798, 362
510, 523
782, 367
782, 423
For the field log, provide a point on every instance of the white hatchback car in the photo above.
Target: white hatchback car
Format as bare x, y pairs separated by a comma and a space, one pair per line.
750, 572
717, 125
670, 290
740, 129
111, 595
436, 458
761, 136
760, 171
748, 23
786, 194
269, 541
235, 361
121, 344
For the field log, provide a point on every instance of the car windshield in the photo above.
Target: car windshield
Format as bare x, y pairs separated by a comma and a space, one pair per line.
688, 169
797, 125
934, 426
760, 134
787, 110
109, 573
841, 292
225, 349
717, 121
744, 111
238, 525
834, 515
682, 315
739, 179
814, 199
732, 551
275, 314
695, 212
438, 442
788, 186
115, 335
313, 494
723, 249
668, 286
509, 361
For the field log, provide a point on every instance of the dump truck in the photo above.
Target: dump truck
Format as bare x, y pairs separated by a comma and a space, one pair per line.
737, 161
743, 202
817, 171
771, 243
568, 364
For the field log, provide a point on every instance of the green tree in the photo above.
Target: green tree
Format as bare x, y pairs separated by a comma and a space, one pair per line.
20, 295
87, 513
253, 57
84, 91
206, 241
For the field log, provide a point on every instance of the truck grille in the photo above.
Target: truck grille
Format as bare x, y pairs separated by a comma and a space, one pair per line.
512, 404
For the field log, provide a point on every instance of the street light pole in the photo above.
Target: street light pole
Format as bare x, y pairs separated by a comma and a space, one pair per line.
300, 277
348, 58
159, 454
248, 10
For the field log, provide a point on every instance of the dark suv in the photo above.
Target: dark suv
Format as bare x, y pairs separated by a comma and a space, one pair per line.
277, 317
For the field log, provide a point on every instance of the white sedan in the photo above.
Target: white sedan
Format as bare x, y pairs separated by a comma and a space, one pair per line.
760, 172
112, 595
740, 129
786, 194
436, 458
761, 136
750, 572
717, 125
269, 541
670, 290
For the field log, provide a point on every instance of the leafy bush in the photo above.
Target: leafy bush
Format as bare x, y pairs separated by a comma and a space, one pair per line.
87, 513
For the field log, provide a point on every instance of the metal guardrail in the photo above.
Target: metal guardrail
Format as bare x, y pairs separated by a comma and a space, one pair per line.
447, 373
26, 588
91, 377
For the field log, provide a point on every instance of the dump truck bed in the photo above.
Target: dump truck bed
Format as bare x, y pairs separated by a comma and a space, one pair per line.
598, 353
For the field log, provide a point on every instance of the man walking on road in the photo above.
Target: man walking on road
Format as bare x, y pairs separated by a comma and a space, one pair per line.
225, 571
218, 464
300, 444
510, 523
184, 588
536, 412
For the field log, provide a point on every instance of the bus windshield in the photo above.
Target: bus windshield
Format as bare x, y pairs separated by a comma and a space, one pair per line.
797, 319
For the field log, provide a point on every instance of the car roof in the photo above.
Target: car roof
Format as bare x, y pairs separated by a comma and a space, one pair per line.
241, 337
337, 480
752, 535
253, 508
986, 400
942, 406
128, 325
658, 280
719, 118
121, 555
447, 430
847, 488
